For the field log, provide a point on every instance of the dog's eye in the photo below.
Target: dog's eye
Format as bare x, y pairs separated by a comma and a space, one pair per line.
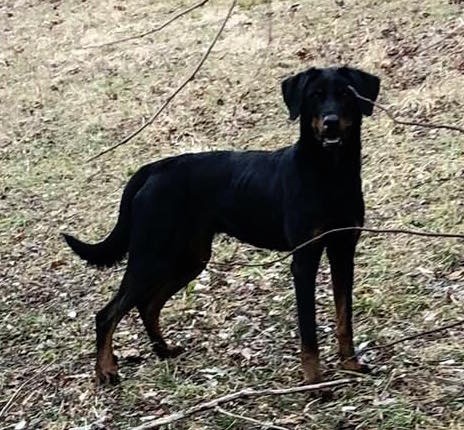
318, 93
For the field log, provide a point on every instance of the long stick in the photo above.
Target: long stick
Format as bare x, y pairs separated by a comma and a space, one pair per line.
406, 338
266, 425
247, 392
153, 30
337, 230
175, 92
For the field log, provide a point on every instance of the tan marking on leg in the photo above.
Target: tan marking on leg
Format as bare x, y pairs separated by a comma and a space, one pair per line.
106, 367
311, 366
345, 124
344, 335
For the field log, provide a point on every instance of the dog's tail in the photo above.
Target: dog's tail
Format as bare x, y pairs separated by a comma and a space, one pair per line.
116, 244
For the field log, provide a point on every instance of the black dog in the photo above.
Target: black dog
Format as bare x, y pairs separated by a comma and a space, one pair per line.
171, 210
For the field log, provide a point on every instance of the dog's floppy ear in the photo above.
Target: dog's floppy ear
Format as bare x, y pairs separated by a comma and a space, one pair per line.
366, 85
293, 91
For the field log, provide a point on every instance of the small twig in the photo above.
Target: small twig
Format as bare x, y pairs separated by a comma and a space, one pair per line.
153, 30
270, 28
246, 393
337, 230
27, 381
441, 39
388, 383
405, 339
399, 121
99, 423
175, 92
266, 425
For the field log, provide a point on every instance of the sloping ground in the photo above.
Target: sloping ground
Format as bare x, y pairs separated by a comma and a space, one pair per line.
61, 104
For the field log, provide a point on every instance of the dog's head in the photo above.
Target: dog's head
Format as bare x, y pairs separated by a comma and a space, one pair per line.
323, 100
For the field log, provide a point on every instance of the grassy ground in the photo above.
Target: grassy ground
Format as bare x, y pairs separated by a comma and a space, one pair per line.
61, 104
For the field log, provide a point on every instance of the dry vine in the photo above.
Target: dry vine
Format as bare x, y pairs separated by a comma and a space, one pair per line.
399, 121
153, 30
443, 38
406, 338
175, 92
338, 230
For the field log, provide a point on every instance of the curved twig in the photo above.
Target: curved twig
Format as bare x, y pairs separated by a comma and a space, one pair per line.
189, 78
337, 230
441, 39
400, 121
153, 30
406, 338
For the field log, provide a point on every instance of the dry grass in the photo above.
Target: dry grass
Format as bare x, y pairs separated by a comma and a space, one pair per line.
60, 105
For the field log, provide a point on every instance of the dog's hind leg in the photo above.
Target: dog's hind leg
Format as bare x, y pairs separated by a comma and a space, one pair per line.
106, 321
150, 313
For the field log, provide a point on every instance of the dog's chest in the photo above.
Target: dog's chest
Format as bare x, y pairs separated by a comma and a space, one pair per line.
328, 204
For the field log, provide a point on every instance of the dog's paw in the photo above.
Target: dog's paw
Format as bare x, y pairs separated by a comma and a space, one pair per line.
169, 352
312, 378
323, 394
354, 365
106, 375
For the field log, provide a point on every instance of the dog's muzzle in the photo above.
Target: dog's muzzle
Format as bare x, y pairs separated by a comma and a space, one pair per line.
330, 135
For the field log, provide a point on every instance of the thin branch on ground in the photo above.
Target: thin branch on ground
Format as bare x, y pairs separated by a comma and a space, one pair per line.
266, 425
8, 404
406, 338
245, 393
97, 424
444, 37
153, 30
400, 121
175, 92
337, 230
270, 23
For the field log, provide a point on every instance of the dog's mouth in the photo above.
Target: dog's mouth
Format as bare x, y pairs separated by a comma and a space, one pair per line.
331, 142
330, 136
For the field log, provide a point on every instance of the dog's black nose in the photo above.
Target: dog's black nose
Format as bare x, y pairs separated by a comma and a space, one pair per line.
330, 122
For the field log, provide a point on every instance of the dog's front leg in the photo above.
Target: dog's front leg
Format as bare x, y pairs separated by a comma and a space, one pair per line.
341, 250
304, 269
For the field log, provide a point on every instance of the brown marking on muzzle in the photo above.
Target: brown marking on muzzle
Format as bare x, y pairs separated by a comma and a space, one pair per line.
318, 125
345, 123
